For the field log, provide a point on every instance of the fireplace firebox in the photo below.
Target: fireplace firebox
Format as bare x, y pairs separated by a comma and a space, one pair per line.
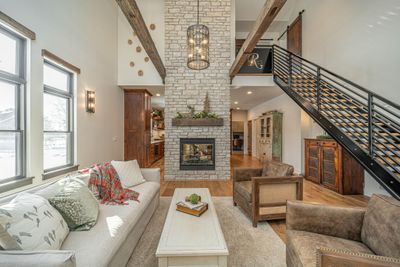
197, 154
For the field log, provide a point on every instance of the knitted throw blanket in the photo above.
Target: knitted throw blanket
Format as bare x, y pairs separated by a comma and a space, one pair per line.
105, 184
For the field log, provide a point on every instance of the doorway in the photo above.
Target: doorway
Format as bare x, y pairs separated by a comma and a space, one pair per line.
238, 137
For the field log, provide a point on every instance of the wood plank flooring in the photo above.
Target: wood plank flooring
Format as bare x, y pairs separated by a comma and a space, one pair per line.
312, 192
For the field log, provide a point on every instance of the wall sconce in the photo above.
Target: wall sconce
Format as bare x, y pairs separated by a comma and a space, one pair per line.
90, 101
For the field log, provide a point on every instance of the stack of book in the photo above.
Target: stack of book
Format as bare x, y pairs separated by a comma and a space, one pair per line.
192, 209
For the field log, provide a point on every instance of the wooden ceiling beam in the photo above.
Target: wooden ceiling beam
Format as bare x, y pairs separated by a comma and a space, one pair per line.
135, 19
268, 13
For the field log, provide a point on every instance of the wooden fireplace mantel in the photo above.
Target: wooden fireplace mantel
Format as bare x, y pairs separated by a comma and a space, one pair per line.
198, 122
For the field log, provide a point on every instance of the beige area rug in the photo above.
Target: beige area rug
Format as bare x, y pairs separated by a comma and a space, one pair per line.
248, 246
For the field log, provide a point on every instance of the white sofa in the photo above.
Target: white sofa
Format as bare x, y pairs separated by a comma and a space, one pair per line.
112, 240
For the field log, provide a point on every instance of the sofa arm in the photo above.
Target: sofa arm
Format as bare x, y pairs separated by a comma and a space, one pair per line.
42, 258
323, 219
245, 174
151, 174
340, 257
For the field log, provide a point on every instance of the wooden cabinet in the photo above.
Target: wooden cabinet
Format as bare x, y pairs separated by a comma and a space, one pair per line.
137, 120
328, 164
156, 152
269, 136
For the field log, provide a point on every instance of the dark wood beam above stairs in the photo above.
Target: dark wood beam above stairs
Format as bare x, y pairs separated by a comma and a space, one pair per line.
267, 15
135, 19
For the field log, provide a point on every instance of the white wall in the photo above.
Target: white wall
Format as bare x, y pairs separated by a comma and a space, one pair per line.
241, 115
83, 33
357, 39
153, 13
292, 141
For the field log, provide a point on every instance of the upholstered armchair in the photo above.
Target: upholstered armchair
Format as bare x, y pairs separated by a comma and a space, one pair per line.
262, 192
322, 235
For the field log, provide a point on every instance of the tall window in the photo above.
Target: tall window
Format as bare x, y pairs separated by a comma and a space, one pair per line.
12, 103
58, 117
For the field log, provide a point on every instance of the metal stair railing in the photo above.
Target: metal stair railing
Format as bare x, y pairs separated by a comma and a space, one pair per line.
365, 123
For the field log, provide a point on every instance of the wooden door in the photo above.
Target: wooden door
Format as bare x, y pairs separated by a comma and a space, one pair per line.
249, 137
312, 158
330, 168
294, 36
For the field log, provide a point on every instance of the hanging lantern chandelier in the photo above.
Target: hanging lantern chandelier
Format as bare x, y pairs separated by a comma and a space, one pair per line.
198, 45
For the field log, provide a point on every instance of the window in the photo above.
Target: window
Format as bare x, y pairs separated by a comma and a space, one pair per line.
58, 117
12, 104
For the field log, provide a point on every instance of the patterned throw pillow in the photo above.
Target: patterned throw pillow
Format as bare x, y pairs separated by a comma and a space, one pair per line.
29, 222
76, 204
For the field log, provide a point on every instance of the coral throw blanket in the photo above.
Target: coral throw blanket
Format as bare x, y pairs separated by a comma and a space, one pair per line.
105, 184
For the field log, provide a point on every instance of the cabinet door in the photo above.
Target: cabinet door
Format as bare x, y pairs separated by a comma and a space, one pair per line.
329, 166
312, 161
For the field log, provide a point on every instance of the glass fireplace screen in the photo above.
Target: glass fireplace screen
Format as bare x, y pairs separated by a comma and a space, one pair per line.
197, 154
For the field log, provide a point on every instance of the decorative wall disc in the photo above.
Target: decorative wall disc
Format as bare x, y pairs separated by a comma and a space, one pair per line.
138, 49
130, 42
152, 26
140, 73
146, 59
132, 64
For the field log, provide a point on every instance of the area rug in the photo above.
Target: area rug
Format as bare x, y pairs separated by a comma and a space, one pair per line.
248, 246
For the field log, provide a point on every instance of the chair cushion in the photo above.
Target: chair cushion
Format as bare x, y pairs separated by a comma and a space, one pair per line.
302, 246
381, 227
274, 168
42, 258
244, 188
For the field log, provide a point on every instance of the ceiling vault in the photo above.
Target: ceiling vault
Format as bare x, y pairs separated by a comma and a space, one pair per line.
270, 9
135, 19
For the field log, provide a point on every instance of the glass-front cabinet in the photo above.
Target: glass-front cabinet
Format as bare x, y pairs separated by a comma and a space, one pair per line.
269, 136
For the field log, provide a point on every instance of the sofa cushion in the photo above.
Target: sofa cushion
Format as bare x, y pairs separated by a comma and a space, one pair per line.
244, 188
113, 225
129, 172
274, 168
302, 246
381, 227
76, 204
46, 258
29, 222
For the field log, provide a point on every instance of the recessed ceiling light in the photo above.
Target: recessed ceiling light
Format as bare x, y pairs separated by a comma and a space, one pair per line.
237, 108
249, 92
236, 102
158, 95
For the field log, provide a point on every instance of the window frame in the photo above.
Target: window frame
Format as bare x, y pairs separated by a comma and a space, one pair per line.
69, 96
19, 81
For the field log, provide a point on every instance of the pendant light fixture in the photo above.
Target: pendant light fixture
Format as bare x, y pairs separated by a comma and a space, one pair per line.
198, 45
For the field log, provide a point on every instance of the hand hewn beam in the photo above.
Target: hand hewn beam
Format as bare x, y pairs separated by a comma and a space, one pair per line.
268, 13
135, 19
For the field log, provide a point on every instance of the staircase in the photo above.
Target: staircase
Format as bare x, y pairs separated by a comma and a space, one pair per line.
366, 124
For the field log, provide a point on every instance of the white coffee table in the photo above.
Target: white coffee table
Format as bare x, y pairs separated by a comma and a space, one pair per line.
188, 240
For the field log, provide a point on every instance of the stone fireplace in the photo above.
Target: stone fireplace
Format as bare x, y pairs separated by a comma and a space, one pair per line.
197, 154
185, 87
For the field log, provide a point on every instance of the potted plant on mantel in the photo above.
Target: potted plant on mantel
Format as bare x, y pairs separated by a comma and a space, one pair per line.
203, 118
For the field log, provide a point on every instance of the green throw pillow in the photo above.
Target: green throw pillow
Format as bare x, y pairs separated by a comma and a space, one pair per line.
77, 205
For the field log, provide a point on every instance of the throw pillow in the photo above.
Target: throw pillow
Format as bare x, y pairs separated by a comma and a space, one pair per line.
129, 172
76, 204
29, 222
47, 258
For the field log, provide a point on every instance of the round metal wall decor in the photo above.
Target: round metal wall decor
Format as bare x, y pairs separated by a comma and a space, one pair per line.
132, 64
130, 42
140, 73
146, 59
152, 26
138, 49
198, 37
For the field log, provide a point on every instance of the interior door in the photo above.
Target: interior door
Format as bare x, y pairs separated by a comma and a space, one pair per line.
249, 137
294, 36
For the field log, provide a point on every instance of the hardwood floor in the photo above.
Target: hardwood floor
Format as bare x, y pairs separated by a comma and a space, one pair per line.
312, 192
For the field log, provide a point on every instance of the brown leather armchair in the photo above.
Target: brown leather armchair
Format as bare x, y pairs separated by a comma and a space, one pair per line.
262, 192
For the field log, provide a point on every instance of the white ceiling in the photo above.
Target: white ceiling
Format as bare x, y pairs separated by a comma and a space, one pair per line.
260, 94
